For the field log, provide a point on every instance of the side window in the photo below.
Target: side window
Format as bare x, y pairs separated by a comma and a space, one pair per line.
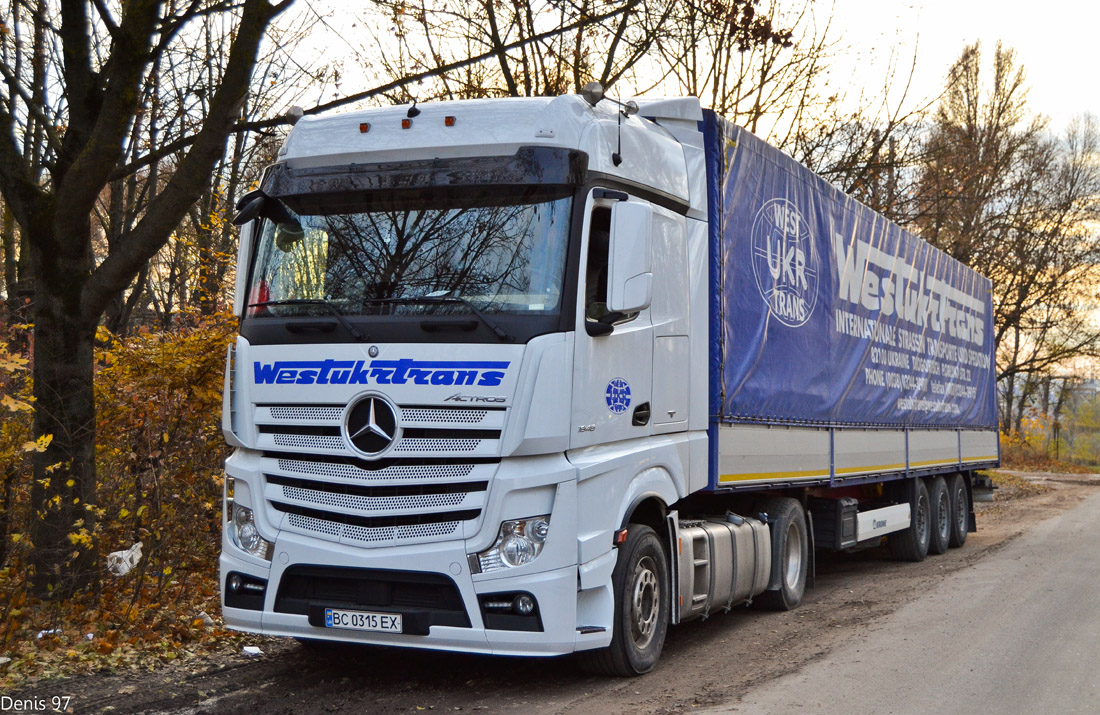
596, 272
595, 277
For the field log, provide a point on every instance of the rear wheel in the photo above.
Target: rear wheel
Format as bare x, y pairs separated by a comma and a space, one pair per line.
960, 510
939, 500
912, 543
790, 554
641, 585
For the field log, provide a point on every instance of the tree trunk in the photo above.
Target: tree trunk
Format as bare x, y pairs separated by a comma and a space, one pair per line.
64, 473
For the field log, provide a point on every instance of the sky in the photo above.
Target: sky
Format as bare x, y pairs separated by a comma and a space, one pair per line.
1055, 41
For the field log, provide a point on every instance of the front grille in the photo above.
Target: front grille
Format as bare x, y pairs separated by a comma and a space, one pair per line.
431, 483
428, 432
424, 599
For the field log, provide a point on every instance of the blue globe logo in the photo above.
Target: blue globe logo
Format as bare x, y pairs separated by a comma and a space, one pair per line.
617, 395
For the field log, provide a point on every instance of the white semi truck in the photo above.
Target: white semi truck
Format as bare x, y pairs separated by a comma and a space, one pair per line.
547, 375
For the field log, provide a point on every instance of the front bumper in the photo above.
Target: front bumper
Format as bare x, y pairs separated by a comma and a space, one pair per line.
567, 619
555, 592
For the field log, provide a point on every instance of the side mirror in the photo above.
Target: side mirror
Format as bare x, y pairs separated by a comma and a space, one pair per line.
629, 274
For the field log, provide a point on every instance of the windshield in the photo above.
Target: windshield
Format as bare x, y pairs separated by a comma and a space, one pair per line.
492, 249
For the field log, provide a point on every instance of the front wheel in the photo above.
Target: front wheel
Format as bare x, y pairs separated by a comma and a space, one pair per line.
641, 585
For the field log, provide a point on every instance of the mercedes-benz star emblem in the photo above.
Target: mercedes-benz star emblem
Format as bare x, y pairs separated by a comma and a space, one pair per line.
371, 425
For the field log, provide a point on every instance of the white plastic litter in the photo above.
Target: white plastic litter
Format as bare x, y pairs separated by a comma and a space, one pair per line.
205, 618
48, 632
252, 650
121, 563
5, 660
90, 636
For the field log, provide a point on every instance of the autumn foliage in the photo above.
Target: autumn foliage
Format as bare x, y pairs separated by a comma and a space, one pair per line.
159, 456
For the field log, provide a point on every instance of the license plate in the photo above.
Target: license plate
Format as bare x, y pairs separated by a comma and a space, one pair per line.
363, 620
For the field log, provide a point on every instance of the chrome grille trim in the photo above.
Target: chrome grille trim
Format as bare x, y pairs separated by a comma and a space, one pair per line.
392, 474
380, 536
310, 414
309, 441
352, 504
443, 416
430, 445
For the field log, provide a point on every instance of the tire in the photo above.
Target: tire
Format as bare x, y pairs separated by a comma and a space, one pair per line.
960, 510
912, 543
939, 502
790, 554
641, 590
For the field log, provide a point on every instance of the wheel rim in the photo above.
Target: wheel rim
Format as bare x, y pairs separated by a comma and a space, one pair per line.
943, 515
645, 602
923, 527
961, 517
793, 557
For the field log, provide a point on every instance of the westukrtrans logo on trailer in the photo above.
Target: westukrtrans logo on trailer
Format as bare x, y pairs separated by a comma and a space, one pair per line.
785, 262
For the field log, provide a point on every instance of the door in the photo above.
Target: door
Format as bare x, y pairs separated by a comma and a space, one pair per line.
613, 365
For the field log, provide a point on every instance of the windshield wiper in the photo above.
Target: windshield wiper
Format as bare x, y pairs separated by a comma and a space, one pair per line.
315, 301
450, 300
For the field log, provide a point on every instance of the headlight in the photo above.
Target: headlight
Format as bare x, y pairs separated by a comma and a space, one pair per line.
518, 542
244, 534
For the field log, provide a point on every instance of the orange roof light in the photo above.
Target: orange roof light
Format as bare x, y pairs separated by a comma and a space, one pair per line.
449, 121
364, 127
406, 123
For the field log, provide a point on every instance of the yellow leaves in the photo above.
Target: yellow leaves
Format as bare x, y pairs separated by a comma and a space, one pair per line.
14, 405
164, 436
103, 335
70, 483
39, 445
81, 538
123, 513
10, 362
16, 538
167, 571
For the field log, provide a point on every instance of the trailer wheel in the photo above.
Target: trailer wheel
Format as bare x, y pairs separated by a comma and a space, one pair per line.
641, 584
939, 501
912, 543
790, 553
960, 511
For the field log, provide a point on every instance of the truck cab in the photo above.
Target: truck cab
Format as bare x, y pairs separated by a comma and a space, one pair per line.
473, 344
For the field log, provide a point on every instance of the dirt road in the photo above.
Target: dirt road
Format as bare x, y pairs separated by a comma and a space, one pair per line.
709, 663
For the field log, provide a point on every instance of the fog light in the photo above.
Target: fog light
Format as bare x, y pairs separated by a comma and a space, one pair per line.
523, 604
234, 583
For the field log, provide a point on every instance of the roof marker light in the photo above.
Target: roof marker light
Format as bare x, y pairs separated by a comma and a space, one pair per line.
406, 123
449, 121
364, 127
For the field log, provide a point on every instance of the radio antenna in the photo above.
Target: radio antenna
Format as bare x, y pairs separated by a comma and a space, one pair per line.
593, 93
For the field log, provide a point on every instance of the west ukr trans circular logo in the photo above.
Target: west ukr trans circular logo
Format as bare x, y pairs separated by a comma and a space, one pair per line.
785, 262
617, 395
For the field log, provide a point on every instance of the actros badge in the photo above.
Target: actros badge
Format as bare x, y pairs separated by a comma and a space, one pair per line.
785, 262
371, 425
